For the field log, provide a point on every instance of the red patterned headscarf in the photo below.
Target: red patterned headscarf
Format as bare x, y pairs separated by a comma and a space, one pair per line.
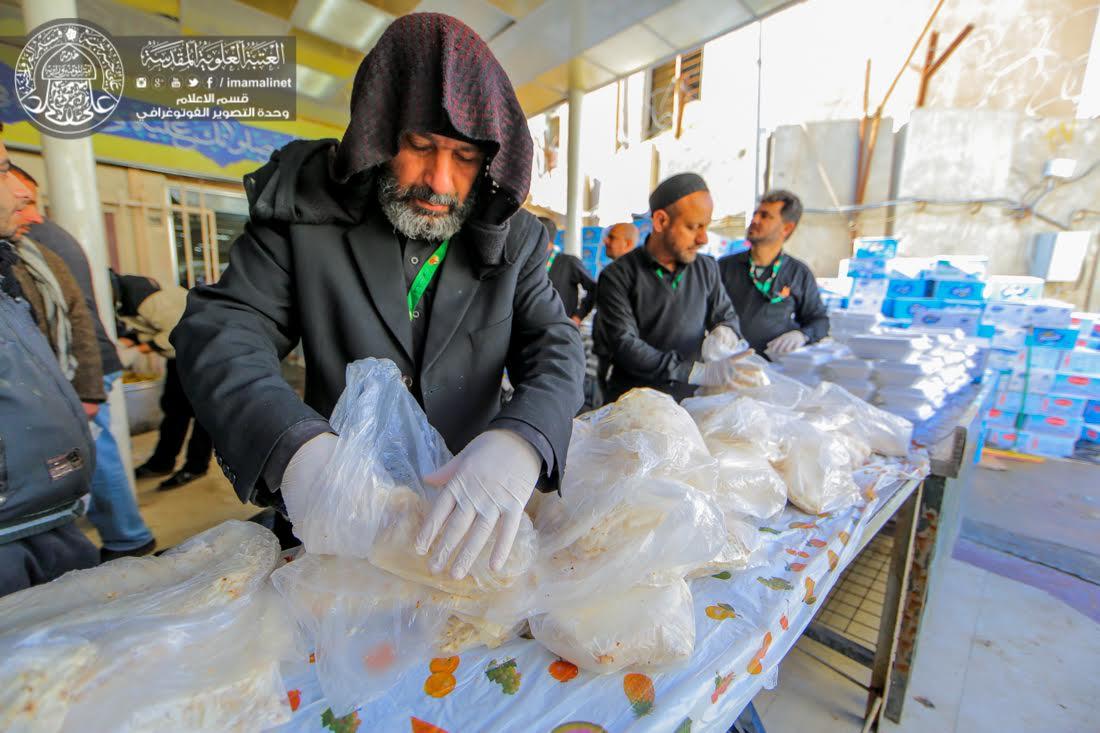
432, 73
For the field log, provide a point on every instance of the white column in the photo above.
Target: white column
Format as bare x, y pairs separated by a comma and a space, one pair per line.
75, 206
573, 178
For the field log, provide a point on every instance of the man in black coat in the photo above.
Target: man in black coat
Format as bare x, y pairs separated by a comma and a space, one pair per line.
656, 303
775, 294
403, 241
569, 278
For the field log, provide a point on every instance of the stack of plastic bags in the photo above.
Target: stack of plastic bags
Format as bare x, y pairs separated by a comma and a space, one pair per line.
190, 640
635, 517
813, 438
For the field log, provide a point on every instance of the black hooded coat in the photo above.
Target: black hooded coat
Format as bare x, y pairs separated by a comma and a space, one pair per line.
320, 264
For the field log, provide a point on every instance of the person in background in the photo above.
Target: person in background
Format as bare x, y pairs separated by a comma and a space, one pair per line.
149, 313
620, 239
569, 278
113, 509
657, 303
775, 294
45, 444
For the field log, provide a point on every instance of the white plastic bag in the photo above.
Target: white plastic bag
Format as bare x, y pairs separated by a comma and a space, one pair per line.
740, 434
742, 540
190, 640
651, 532
365, 626
817, 469
657, 437
640, 628
370, 501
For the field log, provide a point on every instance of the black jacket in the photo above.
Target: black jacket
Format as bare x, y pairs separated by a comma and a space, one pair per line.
320, 275
649, 329
566, 273
762, 320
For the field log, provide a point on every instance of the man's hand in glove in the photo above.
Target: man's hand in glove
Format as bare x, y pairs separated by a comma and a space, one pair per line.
786, 343
719, 373
487, 484
722, 342
305, 467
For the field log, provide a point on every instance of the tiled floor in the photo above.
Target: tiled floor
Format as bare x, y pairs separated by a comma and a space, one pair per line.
855, 605
1006, 644
175, 515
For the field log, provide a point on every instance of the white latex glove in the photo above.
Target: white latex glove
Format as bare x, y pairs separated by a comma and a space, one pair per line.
487, 484
715, 373
305, 467
721, 343
786, 343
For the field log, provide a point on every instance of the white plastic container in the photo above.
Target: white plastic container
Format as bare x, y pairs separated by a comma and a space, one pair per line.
904, 373
896, 346
848, 369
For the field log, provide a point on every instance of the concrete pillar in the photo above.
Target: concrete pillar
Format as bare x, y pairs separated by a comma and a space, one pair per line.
75, 205
574, 179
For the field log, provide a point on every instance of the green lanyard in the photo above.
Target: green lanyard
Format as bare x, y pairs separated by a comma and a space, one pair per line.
424, 277
676, 280
766, 287
550, 260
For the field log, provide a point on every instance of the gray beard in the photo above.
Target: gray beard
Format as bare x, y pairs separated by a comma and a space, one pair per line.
407, 218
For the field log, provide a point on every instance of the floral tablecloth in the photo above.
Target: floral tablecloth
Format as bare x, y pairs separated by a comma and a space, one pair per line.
745, 623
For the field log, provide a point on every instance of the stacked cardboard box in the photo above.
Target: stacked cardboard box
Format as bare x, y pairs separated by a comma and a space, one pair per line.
1049, 388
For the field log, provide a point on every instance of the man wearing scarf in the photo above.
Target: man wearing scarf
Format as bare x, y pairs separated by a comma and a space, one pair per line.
57, 303
403, 241
45, 445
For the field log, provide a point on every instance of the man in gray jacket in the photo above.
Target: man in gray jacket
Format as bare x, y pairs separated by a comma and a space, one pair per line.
46, 455
403, 241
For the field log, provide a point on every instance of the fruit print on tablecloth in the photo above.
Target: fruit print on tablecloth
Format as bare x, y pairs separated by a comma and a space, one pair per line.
421, 726
833, 560
294, 697
441, 680
562, 670
721, 684
684, 726
578, 726
638, 689
505, 674
815, 542
720, 612
347, 724
775, 583
809, 599
756, 666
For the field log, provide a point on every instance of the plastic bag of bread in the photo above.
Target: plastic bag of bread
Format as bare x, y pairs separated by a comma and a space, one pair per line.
640, 628
616, 526
190, 640
365, 626
370, 501
740, 433
653, 435
742, 540
883, 432
817, 469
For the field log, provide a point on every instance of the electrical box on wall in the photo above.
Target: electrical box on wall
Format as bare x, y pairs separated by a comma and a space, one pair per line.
1058, 256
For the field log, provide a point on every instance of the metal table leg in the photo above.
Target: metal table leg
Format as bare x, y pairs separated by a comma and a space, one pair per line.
897, 584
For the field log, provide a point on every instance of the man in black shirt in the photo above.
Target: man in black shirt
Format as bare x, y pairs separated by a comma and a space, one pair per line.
775, 295
568, 276
656, 303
